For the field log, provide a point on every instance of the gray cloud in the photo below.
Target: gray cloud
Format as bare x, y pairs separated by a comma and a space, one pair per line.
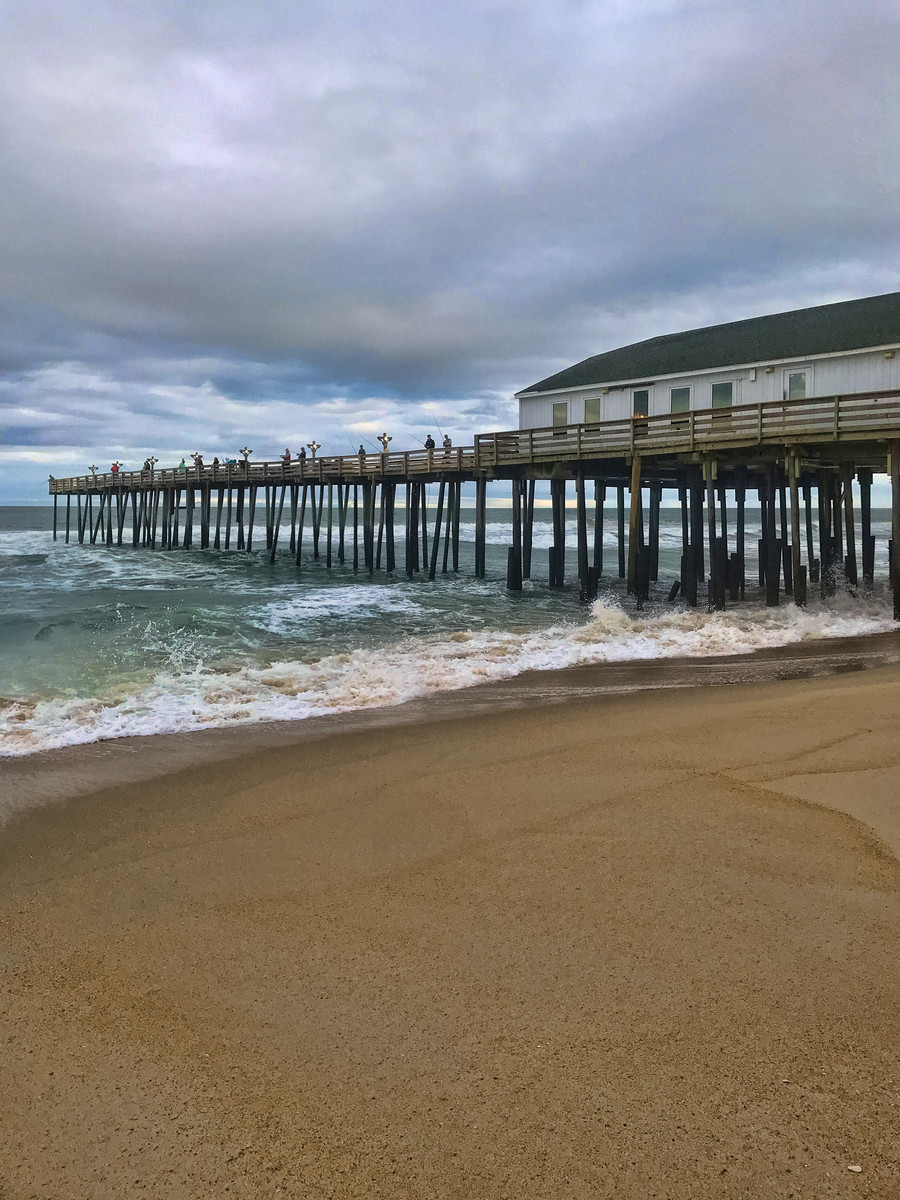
394, 204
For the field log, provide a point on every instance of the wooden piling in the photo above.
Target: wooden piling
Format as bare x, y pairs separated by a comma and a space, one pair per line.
655, 502
793, 469
55, 499
343, 505
810, 543
581, 531
773, 545
634, 520
121, 508
205, 502
239, 516
251, 516
301, 518
157, 493
786, 562
514, 558
381, 523
716, 590
95, 527
837, 532
599, 502
558, 555
68, 514
355, 527
454, 549
276, 525
850, 563
528, 530
620, 527
480, 530
695, 482
316, 504
452, 485
295, 494
423, 512
329, 527
740, 501
390, 495
826, 549
864, 475
436, 539
220, 498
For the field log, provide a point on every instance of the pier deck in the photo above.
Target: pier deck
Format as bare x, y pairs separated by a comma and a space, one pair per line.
785, 451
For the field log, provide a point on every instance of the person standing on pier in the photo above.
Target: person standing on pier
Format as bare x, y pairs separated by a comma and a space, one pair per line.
301, 453
429, 442
286, 457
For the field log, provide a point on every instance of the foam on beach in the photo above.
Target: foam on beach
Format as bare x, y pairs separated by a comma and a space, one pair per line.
193, 690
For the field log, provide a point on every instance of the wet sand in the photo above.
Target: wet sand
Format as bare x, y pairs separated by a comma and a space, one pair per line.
637, 945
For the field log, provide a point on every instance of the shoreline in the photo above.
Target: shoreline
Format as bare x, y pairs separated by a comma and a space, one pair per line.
636, 943
53, 776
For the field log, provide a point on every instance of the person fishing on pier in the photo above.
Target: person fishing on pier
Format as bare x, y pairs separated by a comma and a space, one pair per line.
286, 457
429, 443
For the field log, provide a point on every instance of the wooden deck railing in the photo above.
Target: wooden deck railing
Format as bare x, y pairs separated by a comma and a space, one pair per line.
860, 417
345, 468
828, 418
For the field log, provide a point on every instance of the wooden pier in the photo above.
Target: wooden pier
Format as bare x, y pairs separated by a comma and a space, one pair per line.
808, 463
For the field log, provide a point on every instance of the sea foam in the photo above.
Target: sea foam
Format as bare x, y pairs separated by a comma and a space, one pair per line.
188, 692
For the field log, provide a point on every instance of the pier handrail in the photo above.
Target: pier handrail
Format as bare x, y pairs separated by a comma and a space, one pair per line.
856, 417
859, 416
342, 468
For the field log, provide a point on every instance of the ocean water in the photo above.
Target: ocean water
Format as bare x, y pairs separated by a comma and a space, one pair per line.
102, 642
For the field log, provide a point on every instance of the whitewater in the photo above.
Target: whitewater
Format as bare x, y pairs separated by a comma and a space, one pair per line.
103, 642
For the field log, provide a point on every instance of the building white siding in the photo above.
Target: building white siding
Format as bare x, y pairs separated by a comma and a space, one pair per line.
862, 371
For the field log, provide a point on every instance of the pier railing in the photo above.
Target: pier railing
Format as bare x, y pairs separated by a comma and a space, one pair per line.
347, 468
859, 417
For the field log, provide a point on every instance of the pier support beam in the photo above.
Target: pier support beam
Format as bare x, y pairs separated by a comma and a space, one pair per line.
514, 559
773, 545
634, 524
557, 553
797, 569
599, 502
868, 541
436, 540
850, 564
480, 502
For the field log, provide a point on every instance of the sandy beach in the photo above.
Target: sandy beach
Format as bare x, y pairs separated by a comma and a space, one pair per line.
627, 946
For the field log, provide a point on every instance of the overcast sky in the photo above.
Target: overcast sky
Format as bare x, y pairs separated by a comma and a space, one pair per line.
238, 222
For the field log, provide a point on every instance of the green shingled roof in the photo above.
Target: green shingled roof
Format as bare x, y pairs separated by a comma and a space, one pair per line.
827, 329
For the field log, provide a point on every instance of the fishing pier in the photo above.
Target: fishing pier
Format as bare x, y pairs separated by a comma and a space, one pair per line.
808, 463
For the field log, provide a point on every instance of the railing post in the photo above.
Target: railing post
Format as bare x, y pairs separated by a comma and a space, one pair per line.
759, 424
837, 416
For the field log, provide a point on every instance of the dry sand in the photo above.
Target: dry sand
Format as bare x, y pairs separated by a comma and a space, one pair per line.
629, 947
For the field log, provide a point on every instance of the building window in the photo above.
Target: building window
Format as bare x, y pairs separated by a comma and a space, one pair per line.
722, 394
641, 402
560, 413
592, 410
680, 398
796, 385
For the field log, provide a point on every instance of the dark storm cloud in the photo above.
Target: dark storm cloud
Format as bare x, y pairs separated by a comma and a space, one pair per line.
391, 206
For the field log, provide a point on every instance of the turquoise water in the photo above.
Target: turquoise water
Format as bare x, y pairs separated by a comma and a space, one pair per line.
100, 641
